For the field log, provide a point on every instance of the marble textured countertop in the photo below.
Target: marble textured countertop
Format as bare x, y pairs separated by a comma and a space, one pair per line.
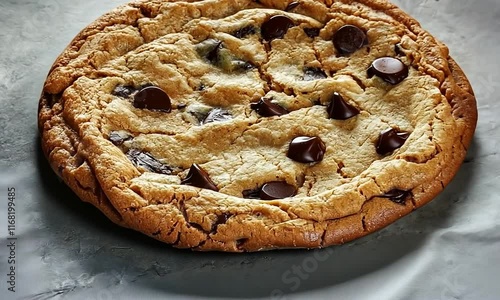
450, 249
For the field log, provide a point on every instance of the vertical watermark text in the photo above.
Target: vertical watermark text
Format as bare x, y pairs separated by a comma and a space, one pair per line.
11, 239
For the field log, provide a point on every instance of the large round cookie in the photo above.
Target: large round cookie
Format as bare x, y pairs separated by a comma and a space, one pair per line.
240, 125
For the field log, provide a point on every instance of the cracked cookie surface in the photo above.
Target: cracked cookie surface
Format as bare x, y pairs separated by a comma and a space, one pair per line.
254, 125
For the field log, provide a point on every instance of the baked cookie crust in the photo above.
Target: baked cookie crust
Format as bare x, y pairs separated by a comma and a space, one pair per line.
131, 162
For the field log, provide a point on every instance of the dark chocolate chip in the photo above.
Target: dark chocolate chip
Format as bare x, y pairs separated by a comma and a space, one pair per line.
146, 12
389, 69
123, 91
51, 99
152, 97
348, 39
198, 177
311, 74
251, 194
209, 49
292, 5
245, 31
312, 32
240, 243
276, 27
266, 108
306, 149
277, 190
237, 65
221, 57
221, 219
118, 138
398, 50
338, 109
201, 115
148, 162
217, 115
397, 196
390, 140
213, 55
181, 106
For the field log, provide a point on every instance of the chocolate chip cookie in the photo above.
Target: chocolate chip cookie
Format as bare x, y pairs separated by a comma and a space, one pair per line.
250, 125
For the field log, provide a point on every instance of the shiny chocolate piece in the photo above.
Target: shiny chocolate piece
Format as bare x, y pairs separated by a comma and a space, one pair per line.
312, 32
266, 108
390, 140
244, 32
123, 91
152, 97
277, 190
311, 74
276, 27
148, 162
306, 149
292, 5
213, 54
198, 177
389, 69
118, 138
217, 115
397, 196
348, 39
338, 109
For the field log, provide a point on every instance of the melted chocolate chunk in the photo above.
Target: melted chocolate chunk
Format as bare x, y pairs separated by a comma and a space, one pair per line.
338, 109
348, 39
312, 32
251, 194
154, 98
306, 149
118, 138
217, 115
390, 140
221, 219
292, 5
123, 91
397, 196
266, 108
213, 55
311, 74
237, 65
199, 114
389, 69
277, 190
221, 57
198, 177
276, 27
148, 162
398, 50
209, 49
245, 31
